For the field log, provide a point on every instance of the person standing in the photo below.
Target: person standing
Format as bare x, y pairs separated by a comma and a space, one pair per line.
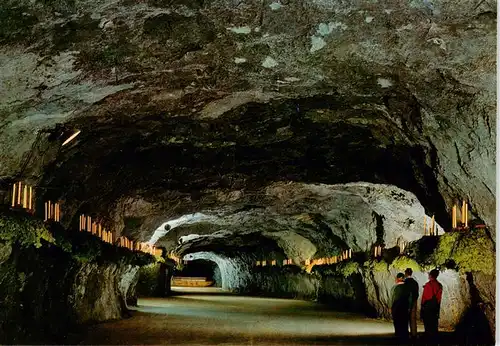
413, 289
399, 308
431, 305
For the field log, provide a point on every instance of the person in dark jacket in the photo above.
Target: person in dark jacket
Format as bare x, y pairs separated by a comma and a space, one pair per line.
413, 289
400, 308
431, 305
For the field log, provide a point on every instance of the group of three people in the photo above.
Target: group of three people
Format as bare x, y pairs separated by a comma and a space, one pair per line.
404, 305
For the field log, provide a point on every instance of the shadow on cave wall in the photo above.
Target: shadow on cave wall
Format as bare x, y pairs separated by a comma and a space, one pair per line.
474, 327
379, 227
345, 294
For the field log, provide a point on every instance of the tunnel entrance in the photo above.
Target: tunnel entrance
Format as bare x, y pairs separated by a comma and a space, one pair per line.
197, 273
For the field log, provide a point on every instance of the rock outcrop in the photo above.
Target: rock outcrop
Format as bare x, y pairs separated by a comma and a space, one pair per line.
47, 289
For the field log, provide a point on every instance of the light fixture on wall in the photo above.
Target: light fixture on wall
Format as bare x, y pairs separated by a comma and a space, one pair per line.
52, 211
22, 196
70, 138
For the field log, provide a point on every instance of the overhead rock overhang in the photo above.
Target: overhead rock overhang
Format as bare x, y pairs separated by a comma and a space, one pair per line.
302, 221
210, 95
318, 140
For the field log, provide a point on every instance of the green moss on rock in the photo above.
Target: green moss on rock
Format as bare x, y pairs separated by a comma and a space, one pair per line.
349, 268
24, 231
475, 252
403, 262
444, 250
380, 266
345, 269
471, 251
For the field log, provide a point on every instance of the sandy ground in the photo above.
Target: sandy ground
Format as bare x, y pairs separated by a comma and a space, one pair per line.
210, 316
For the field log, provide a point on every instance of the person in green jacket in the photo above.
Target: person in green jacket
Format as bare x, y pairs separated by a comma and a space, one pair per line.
400, 307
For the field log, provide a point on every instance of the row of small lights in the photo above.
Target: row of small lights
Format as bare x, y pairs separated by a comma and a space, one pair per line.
464, 221
377, 250
52, 211
347, 254
22, 197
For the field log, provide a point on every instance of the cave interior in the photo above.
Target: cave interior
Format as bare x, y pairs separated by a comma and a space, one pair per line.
227, 134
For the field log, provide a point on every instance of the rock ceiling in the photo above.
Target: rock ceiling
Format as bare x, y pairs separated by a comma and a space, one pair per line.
192, 106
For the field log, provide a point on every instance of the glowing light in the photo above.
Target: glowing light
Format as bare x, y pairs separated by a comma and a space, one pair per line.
466, 214
14, 195
30, 205
25, 197
71, 137
433, 225
454, 217
463, 213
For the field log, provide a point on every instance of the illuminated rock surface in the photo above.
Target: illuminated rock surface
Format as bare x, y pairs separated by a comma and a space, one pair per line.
250, 130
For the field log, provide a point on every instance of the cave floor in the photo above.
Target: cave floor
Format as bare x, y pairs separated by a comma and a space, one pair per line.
209, 316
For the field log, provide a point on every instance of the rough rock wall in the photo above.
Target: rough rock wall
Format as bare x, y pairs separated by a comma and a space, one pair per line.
99, 291
346, 293
217, 277
44, 292
284, 284
128, 282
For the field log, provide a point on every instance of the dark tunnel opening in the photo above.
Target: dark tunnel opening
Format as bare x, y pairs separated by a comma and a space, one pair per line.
199, 269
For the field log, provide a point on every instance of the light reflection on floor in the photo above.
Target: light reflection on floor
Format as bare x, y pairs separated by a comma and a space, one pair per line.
210, 316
